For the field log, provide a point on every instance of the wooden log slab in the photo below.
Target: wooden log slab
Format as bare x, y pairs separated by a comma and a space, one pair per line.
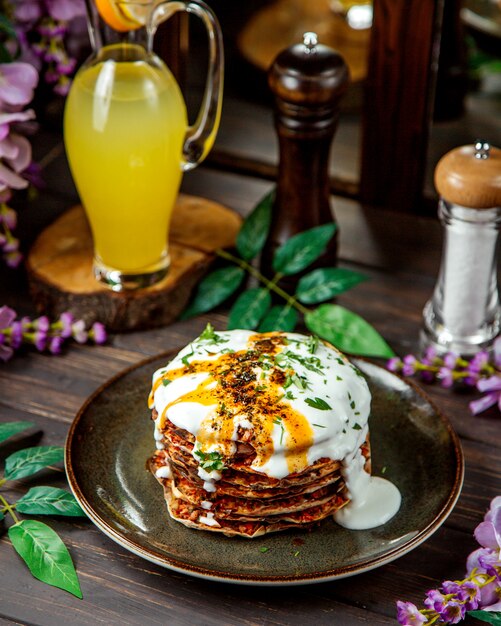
61, 278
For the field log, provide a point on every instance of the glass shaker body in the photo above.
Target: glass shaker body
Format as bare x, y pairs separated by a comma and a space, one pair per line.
463, 315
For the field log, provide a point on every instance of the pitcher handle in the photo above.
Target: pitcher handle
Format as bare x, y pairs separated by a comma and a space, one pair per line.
200, 137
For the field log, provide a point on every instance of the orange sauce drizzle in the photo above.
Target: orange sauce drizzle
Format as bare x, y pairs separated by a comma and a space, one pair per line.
238, 393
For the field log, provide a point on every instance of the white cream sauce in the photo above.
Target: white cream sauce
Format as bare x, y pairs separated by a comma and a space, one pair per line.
373, 500
325, 413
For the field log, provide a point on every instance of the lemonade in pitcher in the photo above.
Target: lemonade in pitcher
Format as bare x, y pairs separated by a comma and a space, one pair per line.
128, 142
125, 127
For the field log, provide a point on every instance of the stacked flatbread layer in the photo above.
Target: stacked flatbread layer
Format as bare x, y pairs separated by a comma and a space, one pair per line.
245, 464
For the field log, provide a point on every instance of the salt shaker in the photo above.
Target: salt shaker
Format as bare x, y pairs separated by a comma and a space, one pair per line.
464, 313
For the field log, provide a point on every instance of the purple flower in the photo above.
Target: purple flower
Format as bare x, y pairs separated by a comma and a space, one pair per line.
7, 317
492, 514
40, 340
435, 600
27, 10
42, 323
446, 377
478, 362
453, 611
492, 387
13, 259
408, 614
65, 10
63, 86
55, 344
410, 365
17, 83
66, 320
394, 364
98, 333
430, 354
427, 377
16, 335
482, 561
451, 360
6, 352
8, 217
488, 536
467, 592
15, 151
78, 331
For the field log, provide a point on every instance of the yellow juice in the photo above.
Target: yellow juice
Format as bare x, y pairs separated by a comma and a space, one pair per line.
125, 122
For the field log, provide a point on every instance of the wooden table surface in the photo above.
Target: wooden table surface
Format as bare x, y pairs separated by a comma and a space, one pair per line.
401, 256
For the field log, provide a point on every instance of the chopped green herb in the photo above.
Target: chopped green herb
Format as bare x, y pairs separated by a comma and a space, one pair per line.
296, 553
383, 470
263, 549
289, 396
352, 404
187, 356
318, 403
312, 344
357, 371
210, 335
227, 351
210, 460
288, 381
356, 413
356, 426
344, 431
166, 381
301, 382
278, 421
319, 426
338, 378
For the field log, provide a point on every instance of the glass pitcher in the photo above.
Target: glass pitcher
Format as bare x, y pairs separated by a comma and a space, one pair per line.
127, 136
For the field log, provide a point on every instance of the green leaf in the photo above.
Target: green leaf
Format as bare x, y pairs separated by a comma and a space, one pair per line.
49, 501
487, 616
45, 555
252, 235
214, 289
347, 331
318, 403
279, 318
10, 429
301, 250
31, 460
326, 283
249, 309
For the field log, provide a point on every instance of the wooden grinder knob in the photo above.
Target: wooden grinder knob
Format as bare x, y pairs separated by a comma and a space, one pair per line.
308, 81
470, 176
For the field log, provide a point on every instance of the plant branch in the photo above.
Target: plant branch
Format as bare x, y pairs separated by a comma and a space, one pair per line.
271, 284
9, 508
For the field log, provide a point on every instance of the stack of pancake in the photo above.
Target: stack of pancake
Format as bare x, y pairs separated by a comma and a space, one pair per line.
250, 439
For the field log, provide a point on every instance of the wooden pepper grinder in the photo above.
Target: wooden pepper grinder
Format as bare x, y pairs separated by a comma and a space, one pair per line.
464, 314
308, 81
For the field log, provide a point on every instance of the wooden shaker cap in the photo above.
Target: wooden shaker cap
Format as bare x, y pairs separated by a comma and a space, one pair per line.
309, 74
471, 176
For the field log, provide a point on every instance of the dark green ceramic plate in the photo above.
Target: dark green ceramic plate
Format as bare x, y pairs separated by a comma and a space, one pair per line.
112, 436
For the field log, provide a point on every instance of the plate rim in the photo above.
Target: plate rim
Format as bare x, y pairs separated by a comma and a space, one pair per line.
247, 579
